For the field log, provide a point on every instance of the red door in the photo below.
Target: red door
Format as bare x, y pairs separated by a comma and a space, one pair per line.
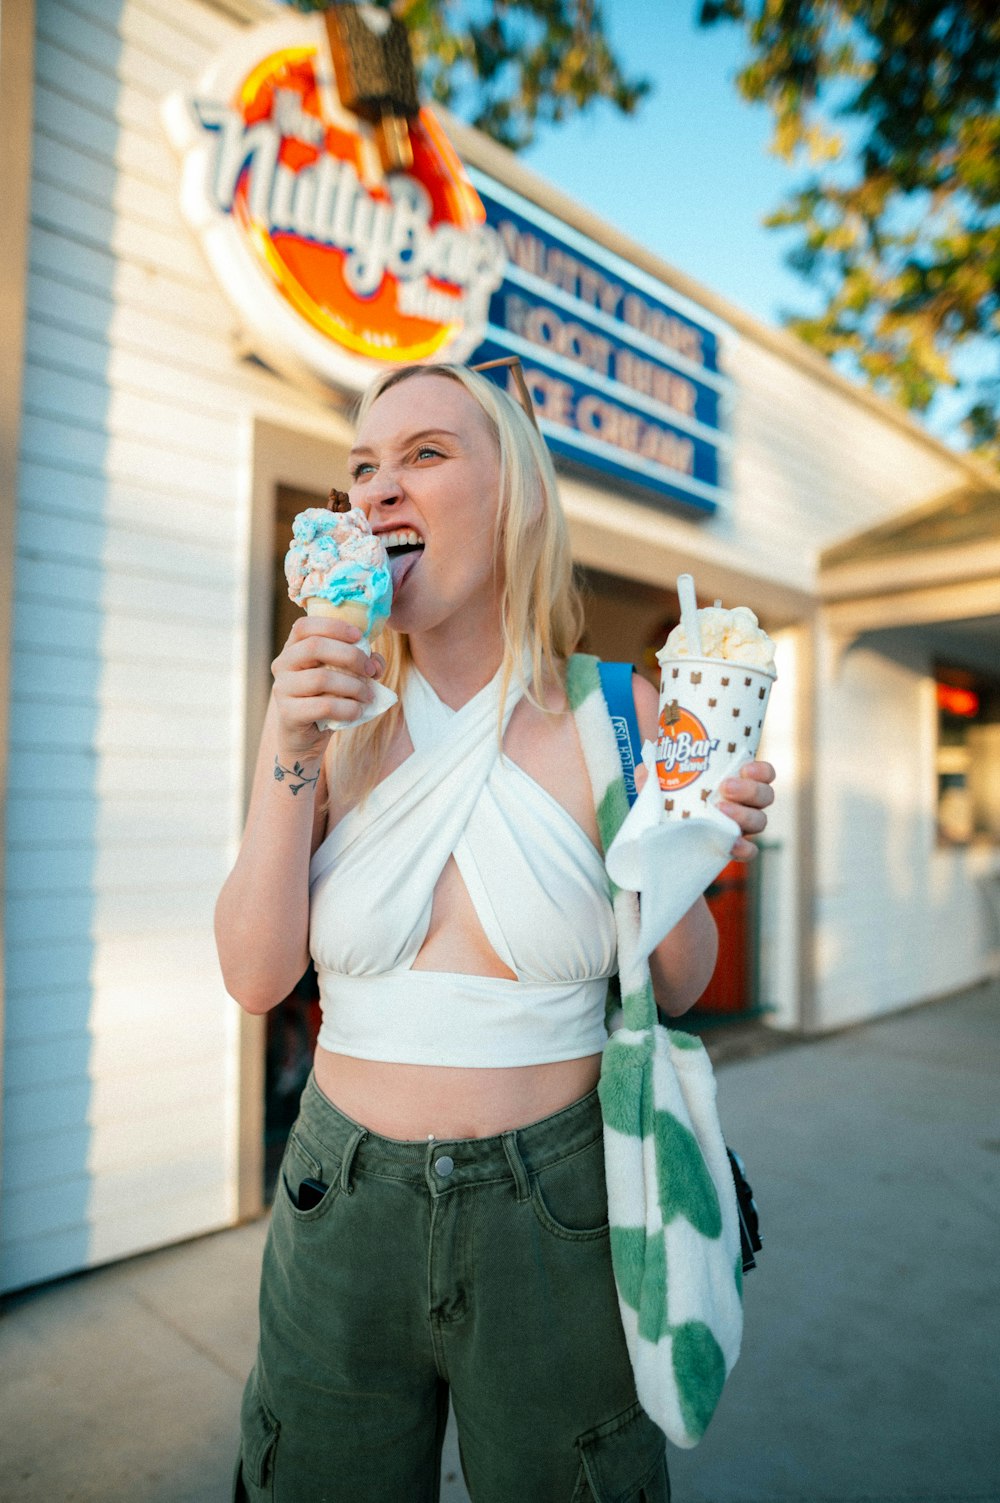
731, 989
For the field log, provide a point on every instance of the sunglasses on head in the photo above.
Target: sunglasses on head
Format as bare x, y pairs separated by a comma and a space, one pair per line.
513, 364
340, 501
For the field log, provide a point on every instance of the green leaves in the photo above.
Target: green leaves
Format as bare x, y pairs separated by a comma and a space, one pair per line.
518, 63
900, 223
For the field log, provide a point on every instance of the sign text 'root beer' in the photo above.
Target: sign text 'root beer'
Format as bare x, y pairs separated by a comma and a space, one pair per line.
625, 374
327, 258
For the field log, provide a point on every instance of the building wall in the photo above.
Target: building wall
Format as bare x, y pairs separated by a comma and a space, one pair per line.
130, 609
811, 465
132, 619
898, 918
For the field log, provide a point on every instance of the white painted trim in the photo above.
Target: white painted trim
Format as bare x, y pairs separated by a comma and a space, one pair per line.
250, 12
921, 607
908, 571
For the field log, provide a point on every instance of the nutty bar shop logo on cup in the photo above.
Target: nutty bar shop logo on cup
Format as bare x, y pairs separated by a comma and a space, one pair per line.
698, 747
335, 266
684, 749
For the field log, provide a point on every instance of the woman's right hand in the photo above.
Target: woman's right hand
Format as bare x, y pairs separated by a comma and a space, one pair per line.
320, 674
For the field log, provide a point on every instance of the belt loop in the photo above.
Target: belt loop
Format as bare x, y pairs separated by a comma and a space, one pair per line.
353, 1144
516, 1164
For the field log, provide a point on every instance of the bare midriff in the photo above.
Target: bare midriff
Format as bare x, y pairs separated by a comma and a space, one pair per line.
417, 1101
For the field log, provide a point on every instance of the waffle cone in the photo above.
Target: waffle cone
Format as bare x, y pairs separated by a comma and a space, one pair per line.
354, 612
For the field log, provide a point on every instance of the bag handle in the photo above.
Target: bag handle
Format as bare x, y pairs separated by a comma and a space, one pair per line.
616, 684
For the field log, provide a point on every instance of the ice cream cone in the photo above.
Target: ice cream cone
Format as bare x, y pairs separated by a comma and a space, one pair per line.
335, 554
354, 612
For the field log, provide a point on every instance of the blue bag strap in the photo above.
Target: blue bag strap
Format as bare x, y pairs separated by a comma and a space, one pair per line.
616, 682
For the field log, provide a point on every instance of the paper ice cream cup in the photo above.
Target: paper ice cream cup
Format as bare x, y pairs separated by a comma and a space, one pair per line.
710, 721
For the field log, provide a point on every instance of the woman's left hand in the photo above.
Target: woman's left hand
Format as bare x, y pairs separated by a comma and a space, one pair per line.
744, 798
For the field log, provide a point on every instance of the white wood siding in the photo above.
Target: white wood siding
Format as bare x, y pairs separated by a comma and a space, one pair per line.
812, 465
129, 634
898, 919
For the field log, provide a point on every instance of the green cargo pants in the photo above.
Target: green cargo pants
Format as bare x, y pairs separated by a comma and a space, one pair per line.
479, 1265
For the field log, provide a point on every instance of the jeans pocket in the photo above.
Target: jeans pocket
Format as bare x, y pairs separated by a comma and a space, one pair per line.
570, 1197
624, 1460
305, 1161
259, 1430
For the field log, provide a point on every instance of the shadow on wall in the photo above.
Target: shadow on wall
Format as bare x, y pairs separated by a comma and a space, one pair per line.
67, 666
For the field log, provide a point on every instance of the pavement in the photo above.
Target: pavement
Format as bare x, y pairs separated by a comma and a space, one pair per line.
870, 1361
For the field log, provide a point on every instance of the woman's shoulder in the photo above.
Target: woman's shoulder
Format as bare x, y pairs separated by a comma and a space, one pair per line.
647, 706
645, 695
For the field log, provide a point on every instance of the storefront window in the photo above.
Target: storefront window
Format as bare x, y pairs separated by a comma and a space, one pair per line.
968, 757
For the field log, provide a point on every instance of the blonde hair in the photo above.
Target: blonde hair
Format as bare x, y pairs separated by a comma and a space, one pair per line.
540, 606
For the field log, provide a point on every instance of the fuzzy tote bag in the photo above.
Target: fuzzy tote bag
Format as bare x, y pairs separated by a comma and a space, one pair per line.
675, 1242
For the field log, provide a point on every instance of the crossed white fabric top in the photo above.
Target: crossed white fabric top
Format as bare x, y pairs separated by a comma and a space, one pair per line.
536, 881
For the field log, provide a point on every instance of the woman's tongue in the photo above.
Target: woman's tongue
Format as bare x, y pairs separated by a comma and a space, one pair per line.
400, 565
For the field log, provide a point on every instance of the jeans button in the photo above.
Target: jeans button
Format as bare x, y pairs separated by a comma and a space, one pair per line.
444, 1165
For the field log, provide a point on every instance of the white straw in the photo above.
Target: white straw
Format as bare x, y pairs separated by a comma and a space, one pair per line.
689, 614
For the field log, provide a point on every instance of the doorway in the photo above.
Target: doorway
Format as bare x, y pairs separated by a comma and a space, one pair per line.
290, 468
292, 1027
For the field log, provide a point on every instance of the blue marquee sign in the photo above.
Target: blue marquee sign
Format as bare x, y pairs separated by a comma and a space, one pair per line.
625, 377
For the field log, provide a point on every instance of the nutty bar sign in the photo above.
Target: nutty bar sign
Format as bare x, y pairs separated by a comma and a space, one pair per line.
335, 266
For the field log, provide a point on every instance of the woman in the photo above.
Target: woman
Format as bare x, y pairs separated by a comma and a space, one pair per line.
441, 1218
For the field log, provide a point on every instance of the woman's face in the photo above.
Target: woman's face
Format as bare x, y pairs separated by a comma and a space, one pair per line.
425, 466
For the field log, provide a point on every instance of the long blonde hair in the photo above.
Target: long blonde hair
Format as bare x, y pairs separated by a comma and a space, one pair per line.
540, 606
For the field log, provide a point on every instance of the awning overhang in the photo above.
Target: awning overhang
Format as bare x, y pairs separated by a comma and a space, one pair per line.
938, 563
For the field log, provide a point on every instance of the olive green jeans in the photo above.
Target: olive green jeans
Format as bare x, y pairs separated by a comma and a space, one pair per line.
475, 1265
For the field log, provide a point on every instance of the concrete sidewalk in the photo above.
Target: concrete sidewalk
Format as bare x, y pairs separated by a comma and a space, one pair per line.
872, 1348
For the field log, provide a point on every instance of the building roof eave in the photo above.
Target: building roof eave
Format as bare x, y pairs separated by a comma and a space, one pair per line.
935, 564
954, 535
964, 600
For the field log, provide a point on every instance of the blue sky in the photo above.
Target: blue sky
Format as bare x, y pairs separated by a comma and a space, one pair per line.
690, 175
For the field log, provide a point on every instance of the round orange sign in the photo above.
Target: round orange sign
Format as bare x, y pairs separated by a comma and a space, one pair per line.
684, 748
331, 260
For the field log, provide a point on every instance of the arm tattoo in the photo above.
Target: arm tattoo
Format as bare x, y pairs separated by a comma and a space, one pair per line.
295, 771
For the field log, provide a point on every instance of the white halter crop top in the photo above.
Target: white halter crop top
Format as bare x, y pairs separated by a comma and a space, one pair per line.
536, 881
